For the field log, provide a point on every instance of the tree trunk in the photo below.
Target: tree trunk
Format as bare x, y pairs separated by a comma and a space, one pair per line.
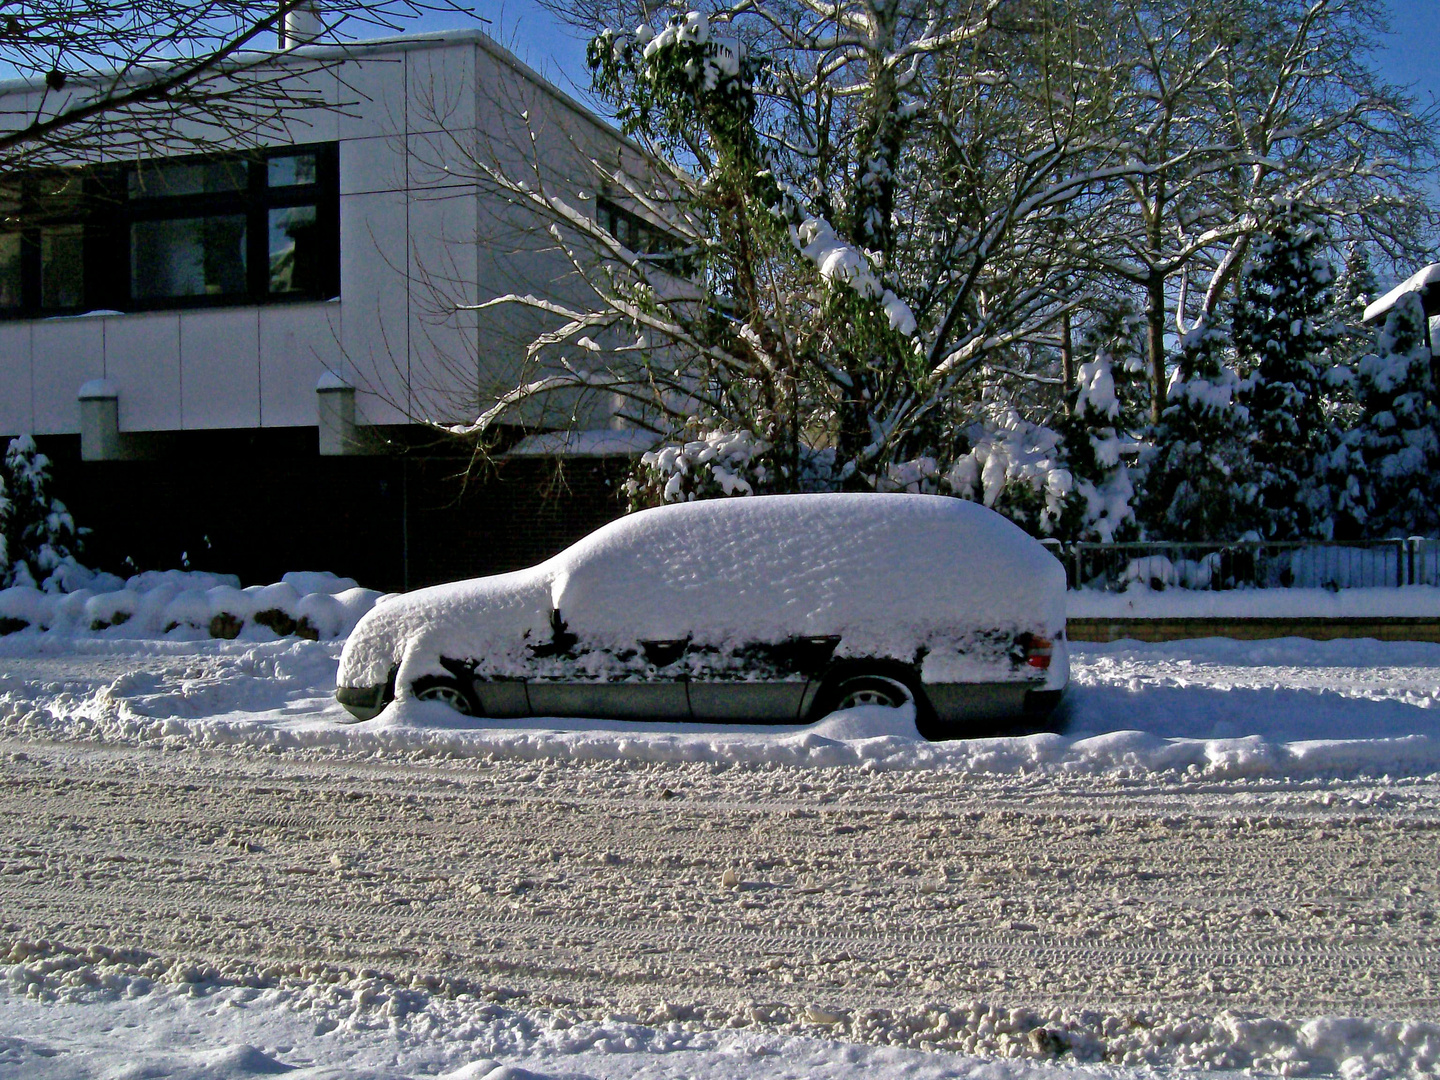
1155, 320
1067, 360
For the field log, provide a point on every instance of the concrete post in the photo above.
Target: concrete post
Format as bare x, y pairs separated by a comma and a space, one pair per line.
99, 421
335, 405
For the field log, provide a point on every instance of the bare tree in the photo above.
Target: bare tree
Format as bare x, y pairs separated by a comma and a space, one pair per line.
836, 215
840, 225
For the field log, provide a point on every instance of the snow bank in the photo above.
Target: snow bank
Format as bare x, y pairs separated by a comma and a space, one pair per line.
101, 1011
188, 604
1211, 709
1141, 602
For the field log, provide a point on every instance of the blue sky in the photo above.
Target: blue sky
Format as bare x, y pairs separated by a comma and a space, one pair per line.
1412, 55
1409, 56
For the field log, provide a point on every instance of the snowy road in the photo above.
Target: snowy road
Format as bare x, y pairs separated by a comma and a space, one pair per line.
189, 814
687, 883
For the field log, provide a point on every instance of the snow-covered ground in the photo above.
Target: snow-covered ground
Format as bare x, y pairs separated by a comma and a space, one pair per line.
1241, 712
1287, 707
314, 1033
132, 1029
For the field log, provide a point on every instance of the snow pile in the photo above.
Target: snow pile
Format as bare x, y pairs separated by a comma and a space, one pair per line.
82, 1013
1281, 710
886, 574
187, 604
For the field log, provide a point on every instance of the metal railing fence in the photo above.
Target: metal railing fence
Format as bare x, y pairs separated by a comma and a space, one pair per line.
1258, 564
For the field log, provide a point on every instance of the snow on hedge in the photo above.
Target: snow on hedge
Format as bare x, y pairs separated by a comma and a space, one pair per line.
1142, 602
188, 604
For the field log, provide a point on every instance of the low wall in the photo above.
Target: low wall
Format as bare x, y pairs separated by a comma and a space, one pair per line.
1327, 629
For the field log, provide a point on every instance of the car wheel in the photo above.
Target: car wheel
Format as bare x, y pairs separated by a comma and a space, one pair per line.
447, 691
892, 686
872, 690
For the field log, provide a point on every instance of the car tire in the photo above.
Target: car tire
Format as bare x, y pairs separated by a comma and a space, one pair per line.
446, 690
872, 690
890, 687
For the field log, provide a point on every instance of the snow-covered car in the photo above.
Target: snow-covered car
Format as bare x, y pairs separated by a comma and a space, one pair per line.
775, 609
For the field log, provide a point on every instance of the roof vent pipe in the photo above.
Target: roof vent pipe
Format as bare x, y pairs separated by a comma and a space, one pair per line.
302, 24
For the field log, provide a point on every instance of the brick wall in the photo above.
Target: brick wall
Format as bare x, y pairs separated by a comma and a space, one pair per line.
259, 508
1396, 629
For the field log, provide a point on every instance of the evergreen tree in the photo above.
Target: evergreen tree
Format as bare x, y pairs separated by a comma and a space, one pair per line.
1283, 332
1354, 289
39, 534
1098, 430
1385, 469
1199, 479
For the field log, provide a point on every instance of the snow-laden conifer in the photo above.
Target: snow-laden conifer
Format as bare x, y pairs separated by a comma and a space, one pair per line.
1387, 468
1199, 481
39, 533
1099, 429
1283, 332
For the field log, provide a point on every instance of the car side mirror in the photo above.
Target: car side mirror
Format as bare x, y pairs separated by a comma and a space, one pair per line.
562, 642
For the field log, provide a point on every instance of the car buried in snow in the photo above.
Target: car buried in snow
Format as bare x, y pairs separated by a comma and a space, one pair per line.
773, 609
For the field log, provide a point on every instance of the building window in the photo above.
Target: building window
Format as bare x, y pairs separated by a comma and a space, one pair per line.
179, 258
643, 238
197, 232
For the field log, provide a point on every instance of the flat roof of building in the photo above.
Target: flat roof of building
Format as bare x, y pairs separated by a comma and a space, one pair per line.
1426, 282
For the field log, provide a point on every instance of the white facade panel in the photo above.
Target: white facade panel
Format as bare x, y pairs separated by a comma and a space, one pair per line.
417, 242
375, 330
310, 125
17, 398
443, 348
372, 165
67, 353
441, 160
298, 344
372, 97
220, 368
441, 88
142, 358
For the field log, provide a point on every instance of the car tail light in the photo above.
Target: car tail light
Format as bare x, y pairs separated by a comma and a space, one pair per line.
1038, 651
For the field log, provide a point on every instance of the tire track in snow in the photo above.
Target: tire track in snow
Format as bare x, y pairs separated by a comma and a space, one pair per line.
581, 881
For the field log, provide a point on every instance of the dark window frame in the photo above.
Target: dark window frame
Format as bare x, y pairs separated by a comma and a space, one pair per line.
107, 213
646, 239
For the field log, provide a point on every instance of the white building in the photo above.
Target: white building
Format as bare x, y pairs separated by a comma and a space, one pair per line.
291, 304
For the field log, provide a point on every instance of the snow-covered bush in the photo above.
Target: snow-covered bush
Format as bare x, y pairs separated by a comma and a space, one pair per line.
184, 604
37, 534
1015, 467
714, 465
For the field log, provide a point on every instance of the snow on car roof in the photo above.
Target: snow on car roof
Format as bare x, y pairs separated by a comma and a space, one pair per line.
803, 563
